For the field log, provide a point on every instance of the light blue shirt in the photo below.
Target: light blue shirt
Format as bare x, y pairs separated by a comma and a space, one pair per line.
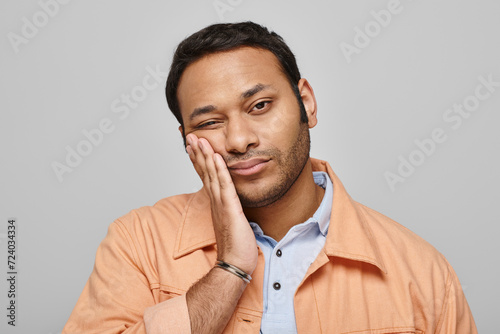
287, 262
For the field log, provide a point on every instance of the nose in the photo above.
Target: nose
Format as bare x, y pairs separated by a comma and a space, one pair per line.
240, 135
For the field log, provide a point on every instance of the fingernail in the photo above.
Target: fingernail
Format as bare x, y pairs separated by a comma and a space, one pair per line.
189, 150
189, 140
200, 144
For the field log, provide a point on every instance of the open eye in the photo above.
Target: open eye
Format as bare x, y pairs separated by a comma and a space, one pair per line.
261, 106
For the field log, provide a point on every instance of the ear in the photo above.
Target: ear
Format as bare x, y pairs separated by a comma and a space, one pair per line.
181, 131
309, 100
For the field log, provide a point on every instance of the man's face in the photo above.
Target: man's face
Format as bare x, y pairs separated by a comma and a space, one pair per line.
243, 104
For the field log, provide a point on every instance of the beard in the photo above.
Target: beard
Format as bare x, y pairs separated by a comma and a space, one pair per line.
291, 163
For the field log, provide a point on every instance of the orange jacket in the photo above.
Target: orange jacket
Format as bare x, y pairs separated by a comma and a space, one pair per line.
372, 276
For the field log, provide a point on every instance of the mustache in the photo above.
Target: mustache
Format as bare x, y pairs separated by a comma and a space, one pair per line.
235, 157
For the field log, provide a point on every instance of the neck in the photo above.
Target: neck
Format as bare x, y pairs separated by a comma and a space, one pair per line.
295, 207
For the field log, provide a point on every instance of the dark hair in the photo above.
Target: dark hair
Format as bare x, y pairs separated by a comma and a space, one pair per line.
224, 37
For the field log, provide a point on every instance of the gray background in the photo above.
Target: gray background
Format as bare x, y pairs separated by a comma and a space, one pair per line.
64, 78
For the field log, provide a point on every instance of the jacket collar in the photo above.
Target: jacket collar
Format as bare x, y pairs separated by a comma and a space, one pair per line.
196, 230
349, 236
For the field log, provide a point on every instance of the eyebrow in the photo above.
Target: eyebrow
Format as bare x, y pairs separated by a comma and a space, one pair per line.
202, 110
254, 90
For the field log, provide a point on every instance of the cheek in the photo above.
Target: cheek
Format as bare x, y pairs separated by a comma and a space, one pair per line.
278, 123
280, 128
217, 139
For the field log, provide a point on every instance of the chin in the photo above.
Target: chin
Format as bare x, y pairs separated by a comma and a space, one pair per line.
257, 198
256, 202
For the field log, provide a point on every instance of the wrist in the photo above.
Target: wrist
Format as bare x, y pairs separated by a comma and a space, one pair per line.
234, 270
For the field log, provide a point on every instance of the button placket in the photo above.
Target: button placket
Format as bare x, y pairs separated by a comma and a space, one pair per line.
276, 278
277, 284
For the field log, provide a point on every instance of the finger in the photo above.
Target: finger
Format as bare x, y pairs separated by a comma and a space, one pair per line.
211, 170
228, 195
201, 153
197, 157
192, 157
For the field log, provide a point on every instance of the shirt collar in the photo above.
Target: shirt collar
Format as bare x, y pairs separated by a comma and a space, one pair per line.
349, 235
324, 211
322, 215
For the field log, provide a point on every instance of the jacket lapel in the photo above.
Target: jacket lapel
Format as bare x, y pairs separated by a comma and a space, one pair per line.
349, 235
196, 230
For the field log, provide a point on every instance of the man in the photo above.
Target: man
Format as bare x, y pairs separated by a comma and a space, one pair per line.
272, 243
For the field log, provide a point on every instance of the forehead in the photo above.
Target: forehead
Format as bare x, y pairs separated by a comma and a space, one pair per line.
220, 76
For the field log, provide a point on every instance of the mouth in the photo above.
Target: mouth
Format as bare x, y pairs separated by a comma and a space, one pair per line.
248, 167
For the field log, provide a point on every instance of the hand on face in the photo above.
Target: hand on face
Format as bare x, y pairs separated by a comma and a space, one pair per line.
235, 239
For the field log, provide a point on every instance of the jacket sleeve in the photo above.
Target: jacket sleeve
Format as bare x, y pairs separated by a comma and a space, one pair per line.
117, 294
456, 316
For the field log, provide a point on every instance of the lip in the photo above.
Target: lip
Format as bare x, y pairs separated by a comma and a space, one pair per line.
248, 167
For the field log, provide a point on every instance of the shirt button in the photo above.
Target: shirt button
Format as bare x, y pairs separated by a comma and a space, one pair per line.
276, 286
278, 253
